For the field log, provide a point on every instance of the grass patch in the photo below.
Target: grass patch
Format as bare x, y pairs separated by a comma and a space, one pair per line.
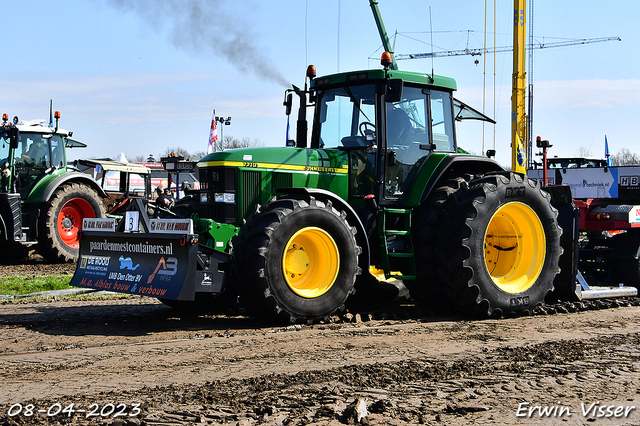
19, 284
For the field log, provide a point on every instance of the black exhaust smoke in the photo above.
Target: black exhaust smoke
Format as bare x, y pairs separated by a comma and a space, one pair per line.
206, 27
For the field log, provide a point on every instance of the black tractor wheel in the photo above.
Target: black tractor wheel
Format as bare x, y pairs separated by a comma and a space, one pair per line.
296, 260
428, 289
499, 246
61, 219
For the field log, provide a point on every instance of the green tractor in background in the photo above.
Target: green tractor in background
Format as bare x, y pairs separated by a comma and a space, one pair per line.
42, 201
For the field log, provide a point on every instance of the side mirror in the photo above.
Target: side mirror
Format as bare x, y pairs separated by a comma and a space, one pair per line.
393, 92
14, 137
542, 143
287, 103
491, 153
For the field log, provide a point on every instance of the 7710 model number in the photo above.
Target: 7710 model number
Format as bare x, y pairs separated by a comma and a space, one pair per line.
94, 410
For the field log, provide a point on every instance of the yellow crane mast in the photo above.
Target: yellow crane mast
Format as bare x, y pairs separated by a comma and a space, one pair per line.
518, 116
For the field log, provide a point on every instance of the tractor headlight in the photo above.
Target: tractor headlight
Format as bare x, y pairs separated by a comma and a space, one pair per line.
204, 197
224, 197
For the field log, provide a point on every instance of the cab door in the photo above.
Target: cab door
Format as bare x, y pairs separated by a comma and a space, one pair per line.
416, 126
31, 159
407, 137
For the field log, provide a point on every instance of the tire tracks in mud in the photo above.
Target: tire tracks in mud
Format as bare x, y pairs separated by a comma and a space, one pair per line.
421, 390
218, 370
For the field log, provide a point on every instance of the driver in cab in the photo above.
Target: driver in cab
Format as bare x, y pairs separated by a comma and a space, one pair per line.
36, 153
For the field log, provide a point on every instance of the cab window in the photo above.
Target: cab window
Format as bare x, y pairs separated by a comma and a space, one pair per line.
442, 121
346, 116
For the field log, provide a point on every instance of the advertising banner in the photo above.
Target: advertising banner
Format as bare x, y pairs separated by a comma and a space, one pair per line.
156, 265
596, 182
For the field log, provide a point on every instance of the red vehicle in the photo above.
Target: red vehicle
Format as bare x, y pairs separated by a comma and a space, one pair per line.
607, 200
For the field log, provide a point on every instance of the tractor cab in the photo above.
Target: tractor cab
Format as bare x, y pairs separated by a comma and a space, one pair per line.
392, 124
36, 154
395, 135
36, 151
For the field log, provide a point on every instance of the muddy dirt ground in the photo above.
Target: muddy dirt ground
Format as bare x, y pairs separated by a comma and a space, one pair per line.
135, 361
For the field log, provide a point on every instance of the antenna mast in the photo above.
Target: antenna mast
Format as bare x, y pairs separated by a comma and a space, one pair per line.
530, 79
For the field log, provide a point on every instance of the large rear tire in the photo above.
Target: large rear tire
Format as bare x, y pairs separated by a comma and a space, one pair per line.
428, 289
58, 239
499, 246
296, 260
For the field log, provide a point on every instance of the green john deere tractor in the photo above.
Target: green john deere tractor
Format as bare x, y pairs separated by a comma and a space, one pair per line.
383, 187
42, 201
380, 191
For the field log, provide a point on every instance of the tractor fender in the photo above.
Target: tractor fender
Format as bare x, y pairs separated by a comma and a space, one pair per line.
457, 165
78, 177
340, 204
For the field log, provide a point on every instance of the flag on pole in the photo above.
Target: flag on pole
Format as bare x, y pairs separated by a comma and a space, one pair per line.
519, 156
607, 155
51, 113
286, 138
213, 134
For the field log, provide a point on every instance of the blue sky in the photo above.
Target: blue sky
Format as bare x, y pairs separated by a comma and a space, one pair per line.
139, 76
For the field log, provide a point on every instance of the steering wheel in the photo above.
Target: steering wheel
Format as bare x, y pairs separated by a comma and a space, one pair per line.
363, 127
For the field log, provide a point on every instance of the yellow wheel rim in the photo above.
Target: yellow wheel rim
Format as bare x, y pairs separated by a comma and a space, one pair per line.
514, 247
310, 262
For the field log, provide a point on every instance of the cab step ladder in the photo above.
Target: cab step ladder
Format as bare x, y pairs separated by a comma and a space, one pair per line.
397, 246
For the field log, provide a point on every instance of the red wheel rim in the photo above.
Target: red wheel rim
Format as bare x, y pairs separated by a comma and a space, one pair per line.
70, 220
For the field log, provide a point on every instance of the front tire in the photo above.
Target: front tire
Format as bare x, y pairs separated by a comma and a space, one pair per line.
499, 245
296, 260
60, 222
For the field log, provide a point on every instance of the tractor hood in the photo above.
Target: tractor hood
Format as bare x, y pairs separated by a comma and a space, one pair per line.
333, 161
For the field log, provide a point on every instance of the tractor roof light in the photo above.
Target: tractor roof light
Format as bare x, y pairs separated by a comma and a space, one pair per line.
385, 60
5, 117
56, 115
311, 72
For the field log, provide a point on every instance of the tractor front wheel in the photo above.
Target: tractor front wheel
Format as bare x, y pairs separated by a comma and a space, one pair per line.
296, 260
61, 220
